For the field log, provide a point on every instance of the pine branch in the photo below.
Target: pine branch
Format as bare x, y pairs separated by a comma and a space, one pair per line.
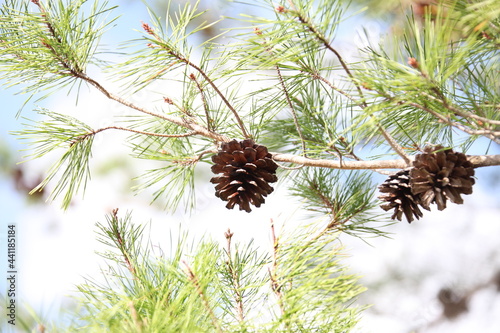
459, 112
304, 20
182, 59
119, 234
78, 73
118, 237
478, 161
169, 295
447, 105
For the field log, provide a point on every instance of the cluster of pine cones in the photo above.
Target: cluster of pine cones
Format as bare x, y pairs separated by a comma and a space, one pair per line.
437, 175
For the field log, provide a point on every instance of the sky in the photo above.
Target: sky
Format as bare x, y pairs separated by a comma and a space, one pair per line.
456, 248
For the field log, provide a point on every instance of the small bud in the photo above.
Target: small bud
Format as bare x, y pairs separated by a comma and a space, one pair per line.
36, 2
41, 328
365, 86
280, 9
413, 63
147, 28
192, 77
168, 100
485, 35
228, 234
257, 31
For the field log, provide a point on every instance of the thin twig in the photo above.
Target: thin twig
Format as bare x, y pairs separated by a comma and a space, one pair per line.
294, 114
235, 278
459, 112
492, 135
235, 113
83, 137
192, 277
275, 286
204, 101
121, 243
184, 122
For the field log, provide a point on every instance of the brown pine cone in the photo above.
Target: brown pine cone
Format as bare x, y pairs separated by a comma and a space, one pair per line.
438, 176
397, 192
247, 169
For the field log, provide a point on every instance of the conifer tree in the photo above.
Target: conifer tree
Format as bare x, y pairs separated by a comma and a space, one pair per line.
317, 122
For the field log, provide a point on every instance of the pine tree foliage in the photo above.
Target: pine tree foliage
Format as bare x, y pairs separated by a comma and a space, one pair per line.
54, 134
209, 287
348, 209
50, 48
451, 76
314, 107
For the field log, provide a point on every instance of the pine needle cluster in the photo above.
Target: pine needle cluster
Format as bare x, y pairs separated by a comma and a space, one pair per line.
298, 286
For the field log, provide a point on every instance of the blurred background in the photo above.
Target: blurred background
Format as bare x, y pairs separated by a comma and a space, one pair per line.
439, 274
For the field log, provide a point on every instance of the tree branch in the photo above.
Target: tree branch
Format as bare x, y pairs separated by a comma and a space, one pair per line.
476, 160
78, 73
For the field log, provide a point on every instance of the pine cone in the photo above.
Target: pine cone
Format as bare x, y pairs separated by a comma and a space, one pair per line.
397, 192
437, 176
247, 169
